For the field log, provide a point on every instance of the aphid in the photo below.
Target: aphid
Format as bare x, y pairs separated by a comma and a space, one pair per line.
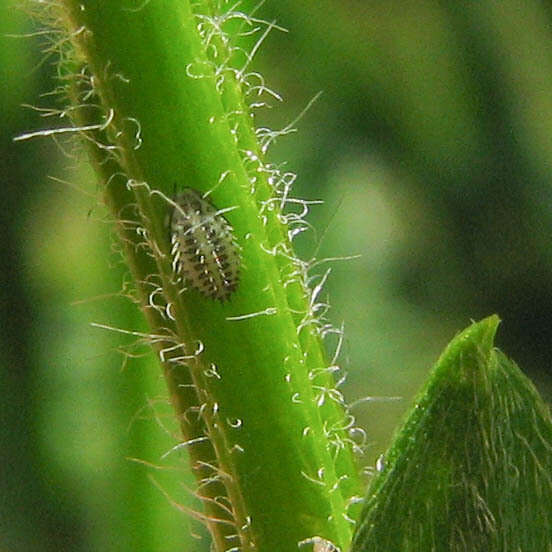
203, 248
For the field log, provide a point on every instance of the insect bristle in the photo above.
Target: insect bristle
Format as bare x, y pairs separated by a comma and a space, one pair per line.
204, 250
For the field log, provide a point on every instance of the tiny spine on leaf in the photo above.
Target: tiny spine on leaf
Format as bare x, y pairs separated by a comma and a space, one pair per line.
203, 249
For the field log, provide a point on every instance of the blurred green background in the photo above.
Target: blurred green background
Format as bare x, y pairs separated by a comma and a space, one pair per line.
431, 147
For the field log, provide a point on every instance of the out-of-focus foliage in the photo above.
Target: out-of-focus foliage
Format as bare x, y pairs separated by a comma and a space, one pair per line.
431, 148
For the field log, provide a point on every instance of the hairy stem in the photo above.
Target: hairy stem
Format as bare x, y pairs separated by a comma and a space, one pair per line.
161, 109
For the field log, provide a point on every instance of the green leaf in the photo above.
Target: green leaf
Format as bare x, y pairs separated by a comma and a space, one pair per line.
472, 467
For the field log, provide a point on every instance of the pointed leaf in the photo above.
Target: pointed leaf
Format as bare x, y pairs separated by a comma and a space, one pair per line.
471, 470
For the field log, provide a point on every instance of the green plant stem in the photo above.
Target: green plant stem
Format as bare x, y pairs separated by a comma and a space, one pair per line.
245, 366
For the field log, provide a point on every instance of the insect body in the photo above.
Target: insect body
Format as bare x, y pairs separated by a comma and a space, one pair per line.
203, 248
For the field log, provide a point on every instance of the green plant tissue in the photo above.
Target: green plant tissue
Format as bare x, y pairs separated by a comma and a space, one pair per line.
471, 469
